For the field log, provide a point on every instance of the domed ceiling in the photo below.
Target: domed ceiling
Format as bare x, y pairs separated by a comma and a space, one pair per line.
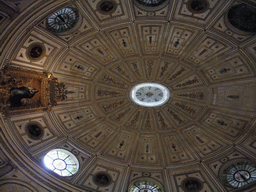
203, 52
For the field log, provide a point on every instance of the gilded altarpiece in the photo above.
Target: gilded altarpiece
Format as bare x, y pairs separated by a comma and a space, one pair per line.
24, 91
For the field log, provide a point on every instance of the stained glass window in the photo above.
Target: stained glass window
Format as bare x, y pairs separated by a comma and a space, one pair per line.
150, 94
63, 20
61, 162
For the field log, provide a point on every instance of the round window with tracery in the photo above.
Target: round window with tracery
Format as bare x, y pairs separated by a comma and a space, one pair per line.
151, 2
150, 94
238, 173
151, 5
61, 162
145, 185
63, 20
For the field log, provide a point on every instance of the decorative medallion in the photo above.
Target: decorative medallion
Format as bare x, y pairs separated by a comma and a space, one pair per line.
149, 94
243, 17
145, 184
238, 173
34, 130
36, 51
62, 162
151, 3
197, 6
63, 20
107, 6
192, 184
102, 179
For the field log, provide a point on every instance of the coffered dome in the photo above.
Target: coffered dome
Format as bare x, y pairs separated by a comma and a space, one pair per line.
160, 95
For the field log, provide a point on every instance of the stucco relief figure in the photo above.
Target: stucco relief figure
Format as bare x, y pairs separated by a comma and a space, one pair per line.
18, 95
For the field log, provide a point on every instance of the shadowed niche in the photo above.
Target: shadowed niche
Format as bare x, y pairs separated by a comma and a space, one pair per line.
34, 130
102, 179
243, 17
192, 185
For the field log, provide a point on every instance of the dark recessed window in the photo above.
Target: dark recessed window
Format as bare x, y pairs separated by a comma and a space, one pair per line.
192, 185
197, 6
243, 17
102, 179
63, 20
34, 130
107, 6
36, 51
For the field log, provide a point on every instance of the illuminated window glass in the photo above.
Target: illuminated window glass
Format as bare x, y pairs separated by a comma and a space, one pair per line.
63, 20
151, 3
145, 185
149, 94
239, 173
61, 162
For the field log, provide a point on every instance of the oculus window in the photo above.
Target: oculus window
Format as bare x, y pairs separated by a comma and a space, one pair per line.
149, 94
238, 173
151, 3
62, 162
145, 185
63, 20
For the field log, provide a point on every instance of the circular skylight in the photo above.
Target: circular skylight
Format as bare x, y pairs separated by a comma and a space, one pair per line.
149, 94
61, 162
